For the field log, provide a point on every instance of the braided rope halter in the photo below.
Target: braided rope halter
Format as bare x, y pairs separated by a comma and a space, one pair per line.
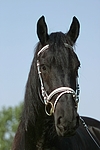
60, 91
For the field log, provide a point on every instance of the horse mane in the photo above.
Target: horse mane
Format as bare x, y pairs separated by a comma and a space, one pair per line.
31, 99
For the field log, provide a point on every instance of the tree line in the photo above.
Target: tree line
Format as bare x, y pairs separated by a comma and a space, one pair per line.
9, 120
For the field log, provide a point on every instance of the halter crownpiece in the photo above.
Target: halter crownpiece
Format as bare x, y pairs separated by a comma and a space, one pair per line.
43, 49
60, 91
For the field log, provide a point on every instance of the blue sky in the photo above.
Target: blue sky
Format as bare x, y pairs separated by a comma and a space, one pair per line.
18, 39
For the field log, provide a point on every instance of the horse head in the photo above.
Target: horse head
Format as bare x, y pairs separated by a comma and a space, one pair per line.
57, 65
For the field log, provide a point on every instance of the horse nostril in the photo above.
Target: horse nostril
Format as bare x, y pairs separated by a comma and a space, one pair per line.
60, 125
59, 121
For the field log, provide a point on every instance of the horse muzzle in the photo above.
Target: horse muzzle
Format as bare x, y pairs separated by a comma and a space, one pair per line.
66, 128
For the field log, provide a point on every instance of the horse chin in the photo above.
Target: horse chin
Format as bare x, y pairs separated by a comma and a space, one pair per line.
65, 133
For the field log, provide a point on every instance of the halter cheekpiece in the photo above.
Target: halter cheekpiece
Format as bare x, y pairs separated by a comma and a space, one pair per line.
60, 91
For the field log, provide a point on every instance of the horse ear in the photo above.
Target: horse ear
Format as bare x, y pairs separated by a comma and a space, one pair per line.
42, 31
73, 32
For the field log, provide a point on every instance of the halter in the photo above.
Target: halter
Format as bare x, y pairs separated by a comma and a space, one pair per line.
60, 91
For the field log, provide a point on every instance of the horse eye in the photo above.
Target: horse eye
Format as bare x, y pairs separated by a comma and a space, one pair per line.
43, 67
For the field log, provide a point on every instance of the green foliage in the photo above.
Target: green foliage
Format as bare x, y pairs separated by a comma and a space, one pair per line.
9, 120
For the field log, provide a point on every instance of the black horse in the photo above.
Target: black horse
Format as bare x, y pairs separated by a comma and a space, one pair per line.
49, 119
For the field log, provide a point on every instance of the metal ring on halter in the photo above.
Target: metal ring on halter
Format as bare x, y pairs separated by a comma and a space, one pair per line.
51, 108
